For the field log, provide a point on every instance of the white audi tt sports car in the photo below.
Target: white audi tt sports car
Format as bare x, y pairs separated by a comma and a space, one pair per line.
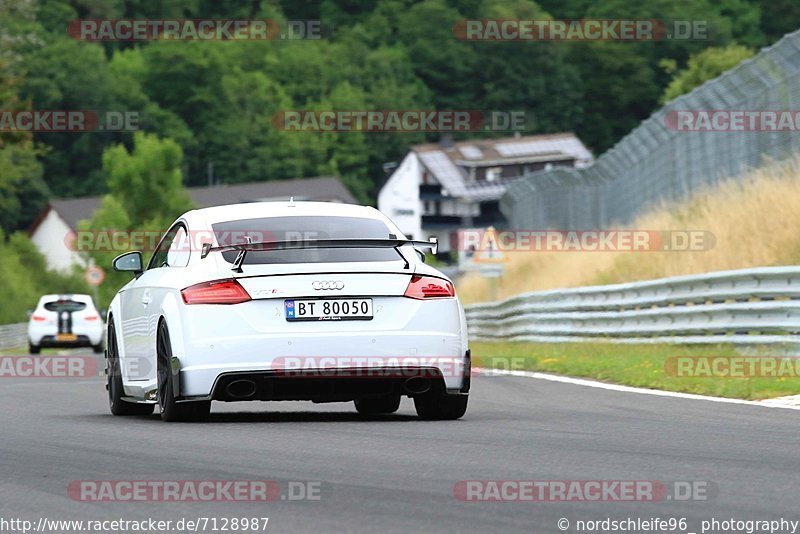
286, 301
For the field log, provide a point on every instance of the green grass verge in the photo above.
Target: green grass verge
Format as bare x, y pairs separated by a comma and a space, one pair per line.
14, 352
639, 365
23, 351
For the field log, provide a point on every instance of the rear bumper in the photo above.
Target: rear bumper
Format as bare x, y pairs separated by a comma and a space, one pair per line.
47, 338
341, 385
254, 337
52, 342
203, 362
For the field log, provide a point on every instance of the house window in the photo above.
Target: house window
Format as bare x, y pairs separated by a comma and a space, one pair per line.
430, 207
494, 173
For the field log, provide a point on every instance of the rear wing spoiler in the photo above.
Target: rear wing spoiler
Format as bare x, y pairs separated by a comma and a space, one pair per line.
243, 248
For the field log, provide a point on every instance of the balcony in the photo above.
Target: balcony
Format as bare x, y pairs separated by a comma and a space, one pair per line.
455, 221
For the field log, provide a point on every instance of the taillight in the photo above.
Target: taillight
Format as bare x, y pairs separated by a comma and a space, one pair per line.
91, 318
38, 317
429, 287
217, 292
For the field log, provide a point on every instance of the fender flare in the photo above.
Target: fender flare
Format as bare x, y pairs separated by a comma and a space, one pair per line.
170, 316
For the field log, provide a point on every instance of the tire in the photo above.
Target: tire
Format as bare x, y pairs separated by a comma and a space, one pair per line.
383, 405
117, 405
34, 349
439, 407
98, 349
172, 411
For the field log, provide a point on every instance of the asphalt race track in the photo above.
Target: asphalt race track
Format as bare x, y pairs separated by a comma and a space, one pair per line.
397, 473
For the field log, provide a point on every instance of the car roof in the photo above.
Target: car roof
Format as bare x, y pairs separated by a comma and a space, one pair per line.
255, 210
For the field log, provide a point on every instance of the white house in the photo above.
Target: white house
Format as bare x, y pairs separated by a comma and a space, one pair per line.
441, 187
52, 229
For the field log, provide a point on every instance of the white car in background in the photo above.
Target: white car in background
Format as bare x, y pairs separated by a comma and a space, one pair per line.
65, 321
286, 301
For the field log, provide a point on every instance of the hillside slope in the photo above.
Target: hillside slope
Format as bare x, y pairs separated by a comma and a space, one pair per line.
755, 222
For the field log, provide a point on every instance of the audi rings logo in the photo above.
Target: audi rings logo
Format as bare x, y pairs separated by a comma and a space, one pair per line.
327, 284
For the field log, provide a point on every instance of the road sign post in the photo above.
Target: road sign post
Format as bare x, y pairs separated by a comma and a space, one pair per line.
94, 276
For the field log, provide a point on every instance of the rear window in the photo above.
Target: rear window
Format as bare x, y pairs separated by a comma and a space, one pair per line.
64, 305
305, 228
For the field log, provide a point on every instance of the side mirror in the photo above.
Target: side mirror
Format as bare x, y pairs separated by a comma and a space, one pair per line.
130, 261
420, 254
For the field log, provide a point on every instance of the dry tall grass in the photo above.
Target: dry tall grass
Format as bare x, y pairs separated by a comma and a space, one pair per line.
755, 221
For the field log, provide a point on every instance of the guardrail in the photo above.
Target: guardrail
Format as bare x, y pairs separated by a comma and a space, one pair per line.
751, 306
13, 336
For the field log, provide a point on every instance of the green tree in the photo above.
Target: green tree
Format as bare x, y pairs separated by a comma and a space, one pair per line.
145, 196
147, 181
348, 157
778, 17
246, 147
701, 67
23, 193
26, 278
618, 89
216, 99
446, 65
69, 75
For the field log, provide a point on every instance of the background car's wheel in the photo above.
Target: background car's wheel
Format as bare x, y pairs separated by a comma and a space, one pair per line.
98, 349
170, 409
437, 406
389, 404
34, 349
114, 386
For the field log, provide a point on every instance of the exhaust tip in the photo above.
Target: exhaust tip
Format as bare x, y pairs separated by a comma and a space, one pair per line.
417, 385
241, 389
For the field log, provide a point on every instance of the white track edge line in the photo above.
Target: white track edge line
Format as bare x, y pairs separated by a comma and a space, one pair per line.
791, 402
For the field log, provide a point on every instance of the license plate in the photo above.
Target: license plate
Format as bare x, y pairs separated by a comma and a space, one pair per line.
66, 337
328, 310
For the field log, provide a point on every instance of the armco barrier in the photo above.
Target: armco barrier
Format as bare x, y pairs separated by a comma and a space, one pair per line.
13, 335
751, 306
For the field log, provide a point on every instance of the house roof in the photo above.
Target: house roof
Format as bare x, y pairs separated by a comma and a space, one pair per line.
325, 188
449, 164
73, 210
